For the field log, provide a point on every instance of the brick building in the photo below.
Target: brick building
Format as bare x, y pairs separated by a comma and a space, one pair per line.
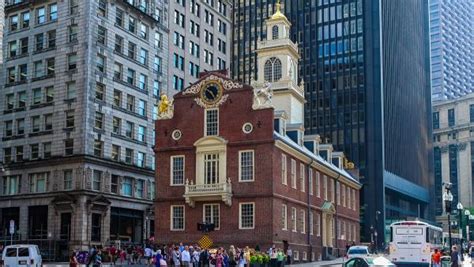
236, 156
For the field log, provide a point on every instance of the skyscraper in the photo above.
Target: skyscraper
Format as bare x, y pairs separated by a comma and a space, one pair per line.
200, 36
452, 48
365, 65
79, 84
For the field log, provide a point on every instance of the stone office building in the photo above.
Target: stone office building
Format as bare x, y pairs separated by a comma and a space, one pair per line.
79, 84
200, 36
453, 137
235, 156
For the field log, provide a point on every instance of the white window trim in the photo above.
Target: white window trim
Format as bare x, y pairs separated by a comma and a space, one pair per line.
240, 216
204, 213
172, 168
205, 121
310, 181
311, 223
284, 169
293, 174
325, 187
354, 202
302, 178
343, 195
318, 220
296, 255
294, 221
171, 218
303, 221
284, 208
318, 185
305, 256
240, 166
338, 193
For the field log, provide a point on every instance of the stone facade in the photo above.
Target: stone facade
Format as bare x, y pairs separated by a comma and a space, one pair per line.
77, 129
200, 36
453, 136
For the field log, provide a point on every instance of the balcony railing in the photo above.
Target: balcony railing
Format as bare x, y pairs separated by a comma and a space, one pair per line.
207, 192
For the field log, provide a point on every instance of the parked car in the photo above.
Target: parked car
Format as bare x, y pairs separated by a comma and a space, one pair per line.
358, 251
22, 255
369, 262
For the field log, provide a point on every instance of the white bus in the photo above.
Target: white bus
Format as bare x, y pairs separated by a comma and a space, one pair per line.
412, 242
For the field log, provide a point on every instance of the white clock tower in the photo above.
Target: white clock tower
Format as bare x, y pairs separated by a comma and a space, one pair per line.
277, 59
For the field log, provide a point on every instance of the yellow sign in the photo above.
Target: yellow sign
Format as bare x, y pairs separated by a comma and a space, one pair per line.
205, 242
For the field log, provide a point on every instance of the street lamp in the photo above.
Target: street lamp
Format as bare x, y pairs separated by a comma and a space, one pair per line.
467, 213
448, 200
460, 209
377, 213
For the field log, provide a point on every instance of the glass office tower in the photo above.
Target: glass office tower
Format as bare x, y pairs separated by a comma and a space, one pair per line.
452, 48
366, 70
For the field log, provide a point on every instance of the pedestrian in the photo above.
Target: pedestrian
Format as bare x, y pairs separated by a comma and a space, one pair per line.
97, 259
219, 258
455, 258
471, 253
73, 260
273, 256
204, 258
185, 257
195, 256
226, 258
148, 255
123, 256
176, 257
113, 254
436, 258
280, 257
1, 253
289, 256
92, 254
232, 256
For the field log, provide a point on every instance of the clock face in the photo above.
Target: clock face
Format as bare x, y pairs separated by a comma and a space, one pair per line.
211, 92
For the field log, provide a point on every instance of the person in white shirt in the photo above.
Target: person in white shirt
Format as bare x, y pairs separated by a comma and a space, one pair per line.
148, 255
185, 257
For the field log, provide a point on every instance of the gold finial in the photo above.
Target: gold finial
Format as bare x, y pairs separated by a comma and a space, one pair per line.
278, 13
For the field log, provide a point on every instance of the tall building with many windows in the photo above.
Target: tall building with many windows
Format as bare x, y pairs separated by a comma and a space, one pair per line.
199, 39
79, 84
365, 65
453, 136
452, 48
453, 140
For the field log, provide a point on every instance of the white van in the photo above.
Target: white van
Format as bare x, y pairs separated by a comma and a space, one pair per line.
22, 255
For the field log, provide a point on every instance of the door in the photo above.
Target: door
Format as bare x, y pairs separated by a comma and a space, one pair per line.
211, 168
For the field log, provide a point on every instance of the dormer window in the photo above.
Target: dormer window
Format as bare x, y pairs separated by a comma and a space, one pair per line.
272, 70
212, 122
275, 32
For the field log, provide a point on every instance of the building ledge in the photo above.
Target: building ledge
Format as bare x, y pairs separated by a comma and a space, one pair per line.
208, 192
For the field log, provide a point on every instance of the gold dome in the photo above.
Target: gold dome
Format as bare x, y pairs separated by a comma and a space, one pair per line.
278, 14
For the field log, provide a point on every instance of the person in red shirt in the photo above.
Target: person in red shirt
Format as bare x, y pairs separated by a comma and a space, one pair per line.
436, 258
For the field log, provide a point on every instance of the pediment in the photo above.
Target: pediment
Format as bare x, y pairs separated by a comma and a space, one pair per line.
328, 207
210, 141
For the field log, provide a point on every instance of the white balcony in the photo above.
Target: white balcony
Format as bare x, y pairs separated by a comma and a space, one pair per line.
208, 192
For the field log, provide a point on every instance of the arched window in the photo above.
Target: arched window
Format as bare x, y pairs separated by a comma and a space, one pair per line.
272, 70
275, 32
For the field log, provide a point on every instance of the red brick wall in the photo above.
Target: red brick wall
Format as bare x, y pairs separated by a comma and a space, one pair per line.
266, 191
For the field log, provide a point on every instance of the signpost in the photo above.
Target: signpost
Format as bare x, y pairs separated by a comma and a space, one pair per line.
12, 231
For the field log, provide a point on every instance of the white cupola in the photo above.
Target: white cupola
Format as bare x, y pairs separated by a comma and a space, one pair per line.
277, 61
